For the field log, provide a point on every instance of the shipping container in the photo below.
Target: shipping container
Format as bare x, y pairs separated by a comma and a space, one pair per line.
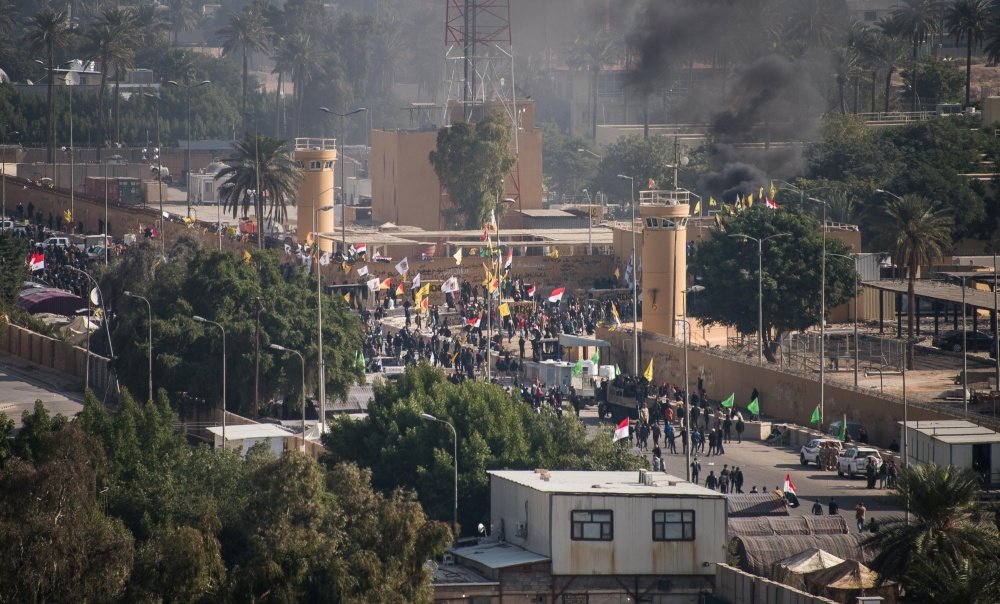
96, 186
129, 191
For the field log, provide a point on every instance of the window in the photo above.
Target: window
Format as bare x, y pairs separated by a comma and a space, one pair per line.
315, 165
593, 525
673, 525
328, 164
652, 223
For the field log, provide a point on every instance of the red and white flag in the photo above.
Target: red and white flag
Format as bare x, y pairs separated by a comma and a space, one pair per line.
621, 431
789, 486
531, 291
771, 204
556, 294
509, 260
37, 261
474, 322
360, 249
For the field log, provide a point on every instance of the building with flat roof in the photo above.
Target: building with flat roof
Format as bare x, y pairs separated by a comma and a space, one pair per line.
958, 443
242, 437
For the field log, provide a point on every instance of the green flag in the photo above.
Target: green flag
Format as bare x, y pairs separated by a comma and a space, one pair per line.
843, 429
578, 368
596, 357
754, 407
815, 417
729, 401
360, 361
618, 370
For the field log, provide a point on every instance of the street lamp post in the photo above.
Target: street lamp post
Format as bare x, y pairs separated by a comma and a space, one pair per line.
319, 314
760, 288
965, 352
223, 330
149, 307
302, 361
454, 435
687, 382
590, 223
856, 277
187, 160
343, 173
104, 317
635, 277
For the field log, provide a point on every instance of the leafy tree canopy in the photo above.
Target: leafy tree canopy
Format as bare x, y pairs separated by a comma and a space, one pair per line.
495, 431
643, 159
567, 170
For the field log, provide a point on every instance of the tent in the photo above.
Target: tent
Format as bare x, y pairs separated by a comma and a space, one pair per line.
763, 526
747, 505
792, 570
51, 300
758, 554
846, 581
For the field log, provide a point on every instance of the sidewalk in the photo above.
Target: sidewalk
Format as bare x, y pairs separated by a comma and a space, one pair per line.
68, 386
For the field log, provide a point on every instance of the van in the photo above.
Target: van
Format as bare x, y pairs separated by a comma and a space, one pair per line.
62, 242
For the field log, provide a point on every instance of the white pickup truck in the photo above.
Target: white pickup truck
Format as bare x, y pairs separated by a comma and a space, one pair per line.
854, 460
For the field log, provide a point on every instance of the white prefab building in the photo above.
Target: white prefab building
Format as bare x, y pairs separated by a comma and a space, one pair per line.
242, 437
955, 443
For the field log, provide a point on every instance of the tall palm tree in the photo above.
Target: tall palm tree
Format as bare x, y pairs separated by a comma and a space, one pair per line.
946, 525
151, 19
916, 20
946, 581
47, 32
883, 53
592, 51
279, 177
303, 58
915, 231
969, 19
8, 17
182, 16
108, 40
245, 32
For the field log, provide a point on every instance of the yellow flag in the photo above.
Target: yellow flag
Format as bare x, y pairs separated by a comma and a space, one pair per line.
648, 373
425, 290
760, 194
712, 203
246, 256
554, 253
399, 289
504, 310
774, 190
618, 273
697, 208
614, 313
67, 216
347, 297
458, 257
488, 276
750, 200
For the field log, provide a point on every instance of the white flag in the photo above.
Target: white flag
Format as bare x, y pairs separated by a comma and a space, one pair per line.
416, 282
449, 286
363, 271
95, 297
288, 249
403, 267
373, 284
324, 259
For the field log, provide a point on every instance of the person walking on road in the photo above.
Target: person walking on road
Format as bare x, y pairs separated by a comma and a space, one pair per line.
859, 515
712, 481
695, 470
817, 508
833, 507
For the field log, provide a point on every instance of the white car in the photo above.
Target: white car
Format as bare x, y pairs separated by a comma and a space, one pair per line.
810, 451
854, 460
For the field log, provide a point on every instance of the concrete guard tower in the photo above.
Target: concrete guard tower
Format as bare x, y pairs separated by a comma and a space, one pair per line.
316, 158
664, 254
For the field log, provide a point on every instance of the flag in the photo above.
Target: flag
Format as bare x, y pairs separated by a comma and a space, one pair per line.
621, 431
359, 361
37, 261
618, 274
399, 289
347, 297
483, 238
815, 416
697, 208
475, 321
650, 184
531, 291
487, 274
247, 257
729, 401
760, 193
387, 283
614, 313
578, 368
403, 266
493, 220
363, 271
424, 291
416, 282
556, 295
648, 373
324, 259
509, 260
554, 253
450, 286
712, 203
360, 249
67, 216
373, 284
425, 304
458, 257
773, 191
843, 429
618, 370
771, 204
504, 310
596, 357
754, 407
750, 200
789, 490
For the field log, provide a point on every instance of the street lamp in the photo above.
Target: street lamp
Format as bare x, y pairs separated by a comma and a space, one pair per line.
635, 276
856, 276
822, 317
454, 435
590, 222
104, 313
589, 152
343, 173
150, 309
687, 382
187, 161
159, 173
302, 360
760, 288
319, 315
223, 330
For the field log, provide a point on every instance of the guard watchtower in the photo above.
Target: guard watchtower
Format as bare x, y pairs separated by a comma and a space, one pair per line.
664, 255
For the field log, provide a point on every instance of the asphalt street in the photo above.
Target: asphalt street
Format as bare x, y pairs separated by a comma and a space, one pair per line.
21, 384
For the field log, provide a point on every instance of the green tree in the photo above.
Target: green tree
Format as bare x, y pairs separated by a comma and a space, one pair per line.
472, 162
49, 31
936, 81
566, 169
947, 581
915, 230
304, 58
916, 20
969, 20
182, 16
592, 50
946, 525
177, 564
270, 161
727, 267
495, 431
109, 40
644, 159
883, 53
246, 32
13, 251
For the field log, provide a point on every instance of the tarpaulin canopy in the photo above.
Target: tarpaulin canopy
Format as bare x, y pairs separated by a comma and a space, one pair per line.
793, 570
51, 300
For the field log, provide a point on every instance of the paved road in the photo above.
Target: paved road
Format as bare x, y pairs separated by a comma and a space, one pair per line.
21, 384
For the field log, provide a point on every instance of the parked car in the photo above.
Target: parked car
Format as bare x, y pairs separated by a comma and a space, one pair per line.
852, 461
810, 451
952, 340
62, 242
856, 431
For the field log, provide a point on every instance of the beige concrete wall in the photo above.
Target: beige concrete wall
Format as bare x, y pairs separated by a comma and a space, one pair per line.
316, 189
737, 587
54, 354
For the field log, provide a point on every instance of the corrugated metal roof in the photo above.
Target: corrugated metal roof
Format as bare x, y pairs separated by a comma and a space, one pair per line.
240, 431
759, 554
547, 213
610, 483
763, 504
455, 575
954, 432
498, 555
787, 525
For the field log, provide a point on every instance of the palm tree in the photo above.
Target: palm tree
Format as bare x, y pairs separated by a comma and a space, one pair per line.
108, 40
278, 173
182, 16
946, 525
246, 32
916, 20
969, 19
592, 51
882, 52
915, 231
151, 19
303, 58
49, 31
945, 581
8, 17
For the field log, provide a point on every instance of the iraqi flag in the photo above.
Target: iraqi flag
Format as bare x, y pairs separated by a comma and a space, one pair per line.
556, 295
531, 291
621, 431
474, 322
509, 260
360, 249
37, 261
771, 204
789, 490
